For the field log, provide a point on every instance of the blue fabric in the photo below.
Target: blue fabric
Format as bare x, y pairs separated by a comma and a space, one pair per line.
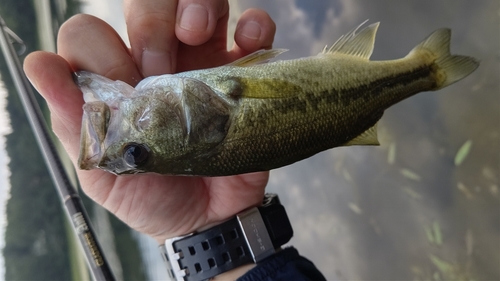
286, 265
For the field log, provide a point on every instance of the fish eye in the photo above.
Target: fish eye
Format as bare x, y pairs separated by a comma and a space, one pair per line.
135, 154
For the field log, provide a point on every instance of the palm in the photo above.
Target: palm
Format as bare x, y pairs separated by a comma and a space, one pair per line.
147, 201
158, 205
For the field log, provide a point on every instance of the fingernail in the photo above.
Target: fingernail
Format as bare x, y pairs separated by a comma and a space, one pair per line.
155, 63
194, 18
251, 30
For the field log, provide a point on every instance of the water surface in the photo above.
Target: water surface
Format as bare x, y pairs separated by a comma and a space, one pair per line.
425, 204
408, 209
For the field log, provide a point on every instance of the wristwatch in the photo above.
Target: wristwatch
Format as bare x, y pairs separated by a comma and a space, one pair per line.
249, 237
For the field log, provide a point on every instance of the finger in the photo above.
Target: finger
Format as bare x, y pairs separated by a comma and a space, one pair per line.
258, 35
51, 75
197, 20
89, 43
209, 54
255, 30
151, 30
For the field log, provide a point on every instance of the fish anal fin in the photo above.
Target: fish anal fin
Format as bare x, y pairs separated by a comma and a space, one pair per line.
357, 44
257, 57
368, 137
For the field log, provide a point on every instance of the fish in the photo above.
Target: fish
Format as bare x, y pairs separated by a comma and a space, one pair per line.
255, 114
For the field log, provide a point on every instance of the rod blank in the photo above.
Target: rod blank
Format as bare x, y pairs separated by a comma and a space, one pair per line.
69, 196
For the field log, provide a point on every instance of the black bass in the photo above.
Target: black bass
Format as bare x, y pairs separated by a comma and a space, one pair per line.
253, 115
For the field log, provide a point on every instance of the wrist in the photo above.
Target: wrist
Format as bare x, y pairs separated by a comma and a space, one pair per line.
234, 274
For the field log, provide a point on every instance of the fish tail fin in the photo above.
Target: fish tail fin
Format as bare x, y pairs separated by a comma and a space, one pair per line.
450, 68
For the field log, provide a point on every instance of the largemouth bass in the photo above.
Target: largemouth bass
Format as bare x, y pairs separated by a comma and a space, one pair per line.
255, 115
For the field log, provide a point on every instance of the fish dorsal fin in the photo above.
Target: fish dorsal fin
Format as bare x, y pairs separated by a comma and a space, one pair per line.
356, 44
258, 57
368, 137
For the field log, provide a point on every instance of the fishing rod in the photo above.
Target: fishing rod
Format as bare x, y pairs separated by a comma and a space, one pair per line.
68, 194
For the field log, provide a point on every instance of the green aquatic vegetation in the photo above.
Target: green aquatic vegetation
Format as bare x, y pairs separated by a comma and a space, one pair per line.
391, 154
434, 234
442, 266
429, 235
449, 271
410, 174
494, 190
469, 242
412, 193
347, 175
462, 153
437, 233
355, 208
463, 188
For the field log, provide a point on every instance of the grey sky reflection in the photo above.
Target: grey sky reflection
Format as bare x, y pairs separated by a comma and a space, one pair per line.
356, 215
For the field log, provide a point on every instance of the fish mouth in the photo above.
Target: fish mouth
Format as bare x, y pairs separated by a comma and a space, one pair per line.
118, 166
95, 125
94, 128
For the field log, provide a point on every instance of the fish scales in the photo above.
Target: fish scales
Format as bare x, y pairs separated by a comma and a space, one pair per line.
253, 116
309, 119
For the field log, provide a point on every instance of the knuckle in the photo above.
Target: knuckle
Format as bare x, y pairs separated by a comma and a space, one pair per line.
146, 24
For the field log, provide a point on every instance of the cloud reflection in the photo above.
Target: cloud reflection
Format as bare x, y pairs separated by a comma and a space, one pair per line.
358, 215
5, 129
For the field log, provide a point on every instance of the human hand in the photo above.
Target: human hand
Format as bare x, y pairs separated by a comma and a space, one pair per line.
163, 40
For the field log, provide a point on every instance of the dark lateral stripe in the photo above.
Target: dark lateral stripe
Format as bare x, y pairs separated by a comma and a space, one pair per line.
376, 89
281, 95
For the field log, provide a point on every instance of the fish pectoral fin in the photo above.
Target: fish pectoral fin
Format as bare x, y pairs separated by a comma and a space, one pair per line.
355, 44
368, 137
257, 57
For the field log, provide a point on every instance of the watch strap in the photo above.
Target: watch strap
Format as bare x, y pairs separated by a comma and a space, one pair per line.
249, 237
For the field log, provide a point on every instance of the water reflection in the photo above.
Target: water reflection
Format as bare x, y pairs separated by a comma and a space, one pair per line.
404, 210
